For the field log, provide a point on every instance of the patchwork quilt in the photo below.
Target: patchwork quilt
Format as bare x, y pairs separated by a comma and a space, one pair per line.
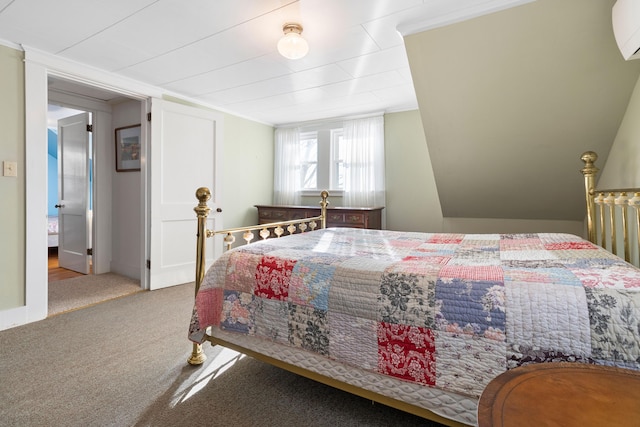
450, 311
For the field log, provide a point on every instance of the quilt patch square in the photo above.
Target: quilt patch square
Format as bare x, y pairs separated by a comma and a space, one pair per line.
615, 329
215, 276
569, 245
445, 239
207, 311
407, 352
475, 254
353, 340
407, 298
325, 259
355, 292
271, 320
530, 244
292, 254
237, 312
208, 306
422, 261
490, 273
615, 277
546, 316
259, 247
559, 276
466, 363
241, 271
308, 329
530, 255
424, 266
437, 249
470, 307
310, 284
272, 277
528, 264
521, 355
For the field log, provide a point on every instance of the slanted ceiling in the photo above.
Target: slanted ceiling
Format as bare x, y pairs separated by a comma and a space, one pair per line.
509, 101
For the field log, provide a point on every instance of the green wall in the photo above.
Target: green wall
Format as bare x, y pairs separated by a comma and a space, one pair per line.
12, 189
412, 196
622, 169
247, 177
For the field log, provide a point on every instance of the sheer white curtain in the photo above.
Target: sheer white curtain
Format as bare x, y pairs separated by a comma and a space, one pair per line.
286, 167
364, 160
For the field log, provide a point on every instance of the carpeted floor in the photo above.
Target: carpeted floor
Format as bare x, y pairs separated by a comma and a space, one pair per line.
123, 363
79, 292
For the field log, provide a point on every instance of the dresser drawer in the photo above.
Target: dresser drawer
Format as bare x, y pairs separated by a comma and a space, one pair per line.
335, 218
274, 215
351, 219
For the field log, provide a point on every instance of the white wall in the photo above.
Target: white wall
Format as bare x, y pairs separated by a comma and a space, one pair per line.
622, 169
126, 204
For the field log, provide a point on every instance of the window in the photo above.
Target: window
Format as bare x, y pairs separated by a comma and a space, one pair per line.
322, 160
342, 157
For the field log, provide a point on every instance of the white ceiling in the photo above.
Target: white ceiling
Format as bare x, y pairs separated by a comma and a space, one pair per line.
222, 53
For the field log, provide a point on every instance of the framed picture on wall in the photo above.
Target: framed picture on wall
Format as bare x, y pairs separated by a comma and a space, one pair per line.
128, 148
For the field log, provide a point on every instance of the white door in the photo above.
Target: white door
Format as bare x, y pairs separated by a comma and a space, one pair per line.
73, 193
184, 155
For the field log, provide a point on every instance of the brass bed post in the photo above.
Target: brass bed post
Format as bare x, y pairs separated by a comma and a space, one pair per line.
323, 207
589, 171
202, 210
621, 201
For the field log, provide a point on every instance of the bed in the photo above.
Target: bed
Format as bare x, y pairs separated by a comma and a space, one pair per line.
418, 321
52, 231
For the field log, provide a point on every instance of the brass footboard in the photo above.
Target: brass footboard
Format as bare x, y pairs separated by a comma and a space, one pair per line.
264, 231
609, 212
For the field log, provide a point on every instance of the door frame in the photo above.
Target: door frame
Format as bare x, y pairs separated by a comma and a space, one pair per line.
38, 66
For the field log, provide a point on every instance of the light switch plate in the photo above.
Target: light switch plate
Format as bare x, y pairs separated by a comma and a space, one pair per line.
10, 169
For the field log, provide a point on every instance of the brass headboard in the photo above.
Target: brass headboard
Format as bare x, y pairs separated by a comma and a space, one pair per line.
608, 212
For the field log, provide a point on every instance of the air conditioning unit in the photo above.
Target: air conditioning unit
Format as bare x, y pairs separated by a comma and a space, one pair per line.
625, 17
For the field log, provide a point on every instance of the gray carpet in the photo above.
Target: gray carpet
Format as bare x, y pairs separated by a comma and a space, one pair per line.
79, 292
123, 363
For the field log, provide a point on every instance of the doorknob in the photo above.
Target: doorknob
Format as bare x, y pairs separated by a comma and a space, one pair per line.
59, 206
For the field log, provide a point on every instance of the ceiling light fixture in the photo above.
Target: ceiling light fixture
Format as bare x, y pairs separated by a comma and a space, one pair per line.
292, 45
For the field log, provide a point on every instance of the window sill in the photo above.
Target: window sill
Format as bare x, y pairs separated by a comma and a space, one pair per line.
311, 193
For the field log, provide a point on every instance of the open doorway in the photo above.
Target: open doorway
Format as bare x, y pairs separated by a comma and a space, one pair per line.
64, 231
88, 117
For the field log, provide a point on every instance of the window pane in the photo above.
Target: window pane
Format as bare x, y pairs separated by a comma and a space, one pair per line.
309, 176
338, 149
340, 176
309, 161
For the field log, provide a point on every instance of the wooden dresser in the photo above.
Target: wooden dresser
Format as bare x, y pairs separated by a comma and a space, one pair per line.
336, 217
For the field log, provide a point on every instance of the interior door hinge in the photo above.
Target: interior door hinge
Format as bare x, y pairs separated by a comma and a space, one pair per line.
89, 251
148, 117
89, 128
149, 264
